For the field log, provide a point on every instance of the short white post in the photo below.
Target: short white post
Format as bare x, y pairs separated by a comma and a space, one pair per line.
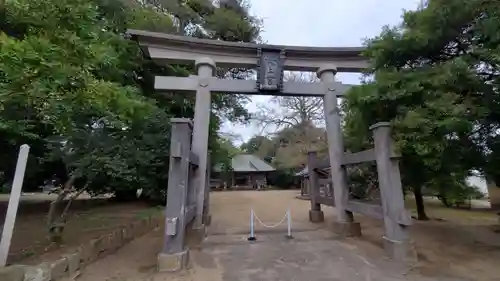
252, 234
15, 195
289, 224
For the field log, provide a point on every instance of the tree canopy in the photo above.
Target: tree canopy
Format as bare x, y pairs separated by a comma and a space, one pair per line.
79, 92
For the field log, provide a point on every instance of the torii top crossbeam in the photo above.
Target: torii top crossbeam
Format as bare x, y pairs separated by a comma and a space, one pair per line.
167, 48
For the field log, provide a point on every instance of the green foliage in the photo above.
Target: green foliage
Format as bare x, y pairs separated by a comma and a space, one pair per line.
258, 145
362, 181
79, 92
64, 80
459, 195
222, 156
5, 189
229, 26
149, 18
282, 178
288, 147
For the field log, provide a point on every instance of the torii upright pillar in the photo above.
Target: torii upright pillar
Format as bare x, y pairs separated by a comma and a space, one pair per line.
345, 224
206, 68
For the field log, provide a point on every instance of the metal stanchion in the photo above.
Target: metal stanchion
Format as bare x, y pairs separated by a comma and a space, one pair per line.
252, 234
289, 224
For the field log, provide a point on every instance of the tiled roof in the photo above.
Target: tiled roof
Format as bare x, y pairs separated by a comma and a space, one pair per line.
250, 163
247, 163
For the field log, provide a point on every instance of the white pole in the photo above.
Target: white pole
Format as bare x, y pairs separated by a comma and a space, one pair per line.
15, 195
252, 234
289, 223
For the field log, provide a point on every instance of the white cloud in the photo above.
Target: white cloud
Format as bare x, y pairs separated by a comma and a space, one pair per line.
326, 23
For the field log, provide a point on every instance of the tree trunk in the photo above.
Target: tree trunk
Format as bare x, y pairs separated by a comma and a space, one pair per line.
419, 200
444, 200
70, 200
55, 232
54, 227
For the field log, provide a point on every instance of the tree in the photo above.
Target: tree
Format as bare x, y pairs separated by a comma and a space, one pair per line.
284, 112
79, 92
199, 18
436, 79
69, 74
223, 156
297, 123
259, 145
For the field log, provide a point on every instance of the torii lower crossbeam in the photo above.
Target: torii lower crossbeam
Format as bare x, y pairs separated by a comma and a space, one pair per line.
248, 87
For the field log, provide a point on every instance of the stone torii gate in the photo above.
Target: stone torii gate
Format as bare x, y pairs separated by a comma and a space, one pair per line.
270, 62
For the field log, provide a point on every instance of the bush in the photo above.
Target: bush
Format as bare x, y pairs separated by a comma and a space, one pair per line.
5, 188
284, 179
362, 181
458, 194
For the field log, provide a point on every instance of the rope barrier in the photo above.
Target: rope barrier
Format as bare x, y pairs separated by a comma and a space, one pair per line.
253, 217
270, 226
391, 240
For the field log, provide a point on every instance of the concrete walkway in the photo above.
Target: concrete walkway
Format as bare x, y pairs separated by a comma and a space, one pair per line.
313, 255
310, 256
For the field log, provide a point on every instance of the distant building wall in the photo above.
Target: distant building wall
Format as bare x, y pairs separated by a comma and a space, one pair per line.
494, 194
249, 179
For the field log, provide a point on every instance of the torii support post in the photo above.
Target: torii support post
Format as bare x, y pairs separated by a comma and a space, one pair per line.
202, 110
345, 225
396, 218
315, 214
207, 218
174, 255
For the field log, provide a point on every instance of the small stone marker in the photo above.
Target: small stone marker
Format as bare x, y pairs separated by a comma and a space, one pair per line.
15, 195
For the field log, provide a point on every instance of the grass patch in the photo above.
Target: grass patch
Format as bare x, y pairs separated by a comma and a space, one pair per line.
30, 244
436, 210
150, 212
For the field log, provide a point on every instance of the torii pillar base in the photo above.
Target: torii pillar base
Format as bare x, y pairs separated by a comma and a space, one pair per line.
347, 229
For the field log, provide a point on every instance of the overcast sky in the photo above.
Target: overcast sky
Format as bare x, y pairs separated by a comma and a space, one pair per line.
322, 23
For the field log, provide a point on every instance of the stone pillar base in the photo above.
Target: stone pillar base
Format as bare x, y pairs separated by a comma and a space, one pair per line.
316, 216
400, 250
207, 219
303, 197
194, 236
172, 262
347, 229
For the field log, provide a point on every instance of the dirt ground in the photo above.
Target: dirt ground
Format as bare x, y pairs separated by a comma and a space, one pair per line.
456, 244
30, 244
